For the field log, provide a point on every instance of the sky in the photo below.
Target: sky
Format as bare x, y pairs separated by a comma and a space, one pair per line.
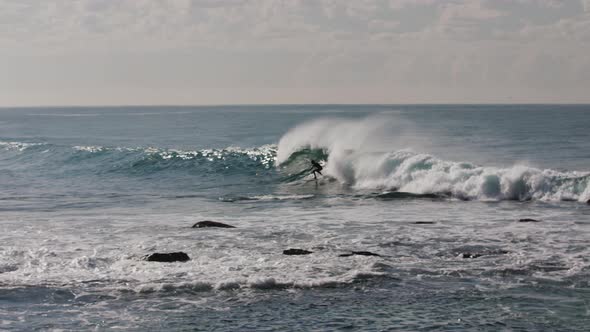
193, 52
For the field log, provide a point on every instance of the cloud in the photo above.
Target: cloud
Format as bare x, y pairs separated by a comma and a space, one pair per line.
63, 25
481, 46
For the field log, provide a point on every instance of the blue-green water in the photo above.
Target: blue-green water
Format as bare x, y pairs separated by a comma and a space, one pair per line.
436, 190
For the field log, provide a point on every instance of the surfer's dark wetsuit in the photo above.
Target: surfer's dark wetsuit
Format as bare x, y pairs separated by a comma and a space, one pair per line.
316, 168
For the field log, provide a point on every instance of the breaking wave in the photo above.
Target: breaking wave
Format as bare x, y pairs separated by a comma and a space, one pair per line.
355, 153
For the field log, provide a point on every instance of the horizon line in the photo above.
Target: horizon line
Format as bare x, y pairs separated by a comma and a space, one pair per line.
289, 104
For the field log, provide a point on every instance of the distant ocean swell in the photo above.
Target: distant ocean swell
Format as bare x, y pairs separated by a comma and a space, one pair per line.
352, 165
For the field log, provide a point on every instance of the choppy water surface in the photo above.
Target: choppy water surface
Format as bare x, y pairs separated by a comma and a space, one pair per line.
436, 191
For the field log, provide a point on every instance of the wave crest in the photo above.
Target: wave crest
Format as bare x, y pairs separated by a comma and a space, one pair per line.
140, 160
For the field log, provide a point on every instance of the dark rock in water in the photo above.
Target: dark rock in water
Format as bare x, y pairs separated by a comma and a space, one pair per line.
424, 222
473, 251
483, 253
207, 223
167, 257
470, 255
292, 252
588, 201
497, 252
548, 266
360, 253
528, 220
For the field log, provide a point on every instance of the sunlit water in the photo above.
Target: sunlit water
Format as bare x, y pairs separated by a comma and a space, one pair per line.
437, 191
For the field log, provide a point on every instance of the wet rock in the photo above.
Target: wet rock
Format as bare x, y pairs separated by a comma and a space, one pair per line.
472, 251
167, 257
360, 253
588, 201
424, 222
292, 252
475, 252
548, 266
208, 223
470, 255
528, 220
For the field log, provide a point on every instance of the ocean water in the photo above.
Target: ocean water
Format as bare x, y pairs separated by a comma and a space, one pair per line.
436, 190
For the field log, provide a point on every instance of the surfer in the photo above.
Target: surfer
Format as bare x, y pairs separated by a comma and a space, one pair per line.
316, 168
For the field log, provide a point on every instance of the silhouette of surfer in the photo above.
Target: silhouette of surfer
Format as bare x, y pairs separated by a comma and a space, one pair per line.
316, 168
